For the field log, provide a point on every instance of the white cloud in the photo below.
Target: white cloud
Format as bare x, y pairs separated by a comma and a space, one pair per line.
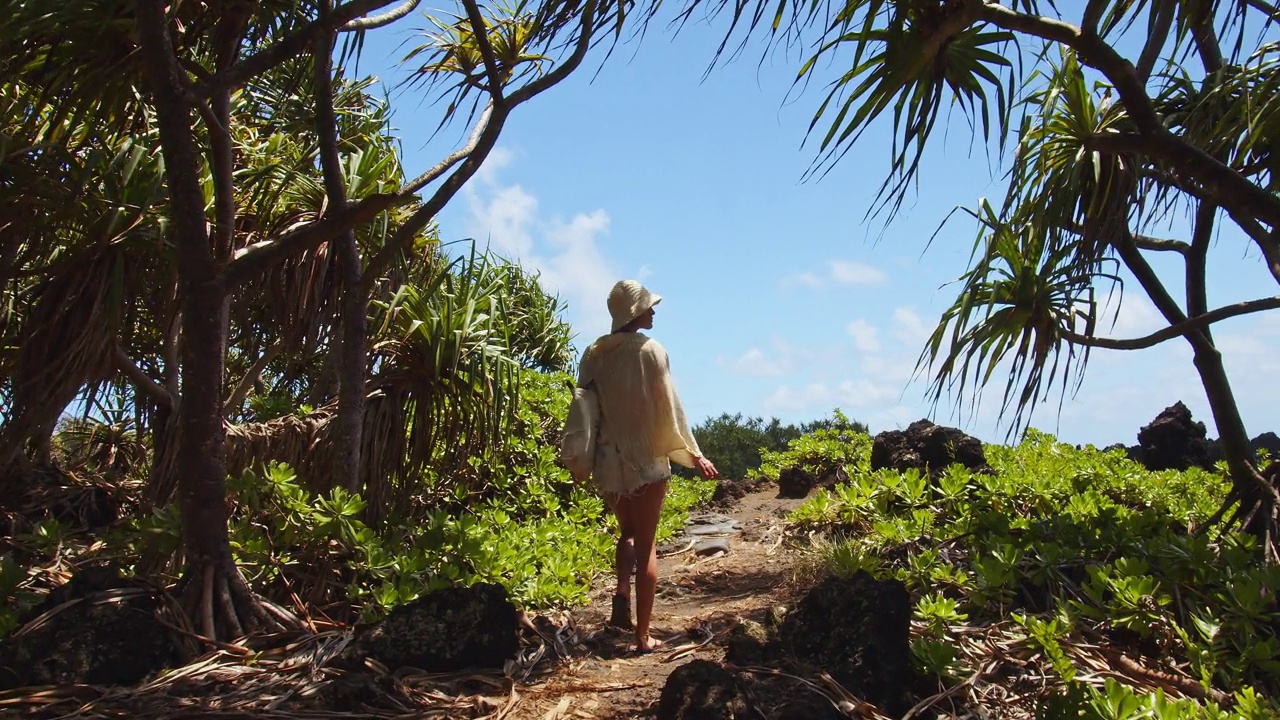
838, 272
567, 254
910, 328
899, 368
1136, 315
499, 158
508, 216
755, 363
847, 272
865, 335
822, 397
805, 279
784, 398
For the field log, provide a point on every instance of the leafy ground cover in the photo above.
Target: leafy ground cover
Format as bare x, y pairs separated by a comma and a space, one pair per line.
1066, 583
518, 520
1073, 561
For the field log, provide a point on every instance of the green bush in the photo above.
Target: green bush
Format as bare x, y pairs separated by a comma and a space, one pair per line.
514, 517
738, 446
1070, 547
824, 446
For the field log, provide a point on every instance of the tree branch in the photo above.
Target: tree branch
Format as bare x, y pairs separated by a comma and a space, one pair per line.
483, 138
481, 32
1144, 242
1205, 39
1198, 260
382, 20
1150, 282
453, 158
255, 259
1092, 14
1268, 242
1227, 187
287, 48
1161, 245
143, 381
560, 72
1176, 330
241, 391
1162, 22
1270, 10
228, 35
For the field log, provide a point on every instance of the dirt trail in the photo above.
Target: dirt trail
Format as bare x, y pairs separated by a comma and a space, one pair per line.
699, 601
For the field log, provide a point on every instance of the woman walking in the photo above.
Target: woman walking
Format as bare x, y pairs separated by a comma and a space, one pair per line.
643, 429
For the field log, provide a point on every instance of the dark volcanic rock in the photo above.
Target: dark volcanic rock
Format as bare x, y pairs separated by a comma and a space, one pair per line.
445, 631
1173, 441
794, 482
703, 690
1268, 441
728, 491
857, 629
107, 635
797, 482
749, 643
351, 692
927, 447
1133, 452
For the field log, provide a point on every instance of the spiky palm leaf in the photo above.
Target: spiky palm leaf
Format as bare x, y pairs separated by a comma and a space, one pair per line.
1039, 259
445, 378
909, 69
1026, 289
1210, 115
450, 58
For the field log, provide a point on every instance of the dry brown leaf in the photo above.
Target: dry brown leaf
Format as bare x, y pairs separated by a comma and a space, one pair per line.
558, 712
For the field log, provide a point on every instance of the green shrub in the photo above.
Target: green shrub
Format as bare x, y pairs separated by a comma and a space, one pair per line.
1072, 546
830, 444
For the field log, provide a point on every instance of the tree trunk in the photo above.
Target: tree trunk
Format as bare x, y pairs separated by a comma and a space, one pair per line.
348, 430
202, 479
212, 583
349, 433
1259, 500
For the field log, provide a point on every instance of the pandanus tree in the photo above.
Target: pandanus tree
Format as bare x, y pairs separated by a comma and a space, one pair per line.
166, 90
1122, 116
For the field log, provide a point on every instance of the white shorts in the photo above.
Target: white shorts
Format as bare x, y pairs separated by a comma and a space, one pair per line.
613, 474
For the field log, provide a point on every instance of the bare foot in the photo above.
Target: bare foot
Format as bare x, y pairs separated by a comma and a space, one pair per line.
647, 644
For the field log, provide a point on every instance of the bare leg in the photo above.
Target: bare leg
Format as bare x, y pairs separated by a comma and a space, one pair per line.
624, 562
645, 508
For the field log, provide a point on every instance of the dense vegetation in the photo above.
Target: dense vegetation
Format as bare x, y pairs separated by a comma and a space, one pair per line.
283, 390
208, 233
1065, 560
1097, 587
522, 523
739, 443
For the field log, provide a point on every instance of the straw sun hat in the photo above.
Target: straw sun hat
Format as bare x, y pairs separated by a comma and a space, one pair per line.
627, 300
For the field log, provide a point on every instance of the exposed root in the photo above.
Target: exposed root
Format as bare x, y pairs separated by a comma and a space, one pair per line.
222, 608
1170, 683
1253, 506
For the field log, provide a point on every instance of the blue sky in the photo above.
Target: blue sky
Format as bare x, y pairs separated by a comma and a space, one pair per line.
779, 298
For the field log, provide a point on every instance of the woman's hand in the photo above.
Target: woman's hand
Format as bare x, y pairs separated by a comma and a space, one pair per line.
705, 468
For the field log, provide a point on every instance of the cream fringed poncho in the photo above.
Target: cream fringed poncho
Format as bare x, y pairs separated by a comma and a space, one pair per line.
643, 426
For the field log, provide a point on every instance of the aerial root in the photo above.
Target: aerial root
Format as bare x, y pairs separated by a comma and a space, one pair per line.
220, 608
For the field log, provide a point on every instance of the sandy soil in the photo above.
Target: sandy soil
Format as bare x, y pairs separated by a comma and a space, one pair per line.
699, 601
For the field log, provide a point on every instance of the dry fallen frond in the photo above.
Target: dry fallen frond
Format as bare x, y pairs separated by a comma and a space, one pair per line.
296, 676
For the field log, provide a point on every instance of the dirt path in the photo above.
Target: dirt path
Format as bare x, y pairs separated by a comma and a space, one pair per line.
699, 600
